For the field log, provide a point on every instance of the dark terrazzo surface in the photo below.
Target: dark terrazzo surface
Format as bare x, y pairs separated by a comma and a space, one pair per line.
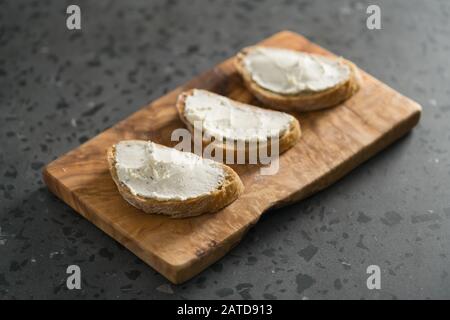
60, 87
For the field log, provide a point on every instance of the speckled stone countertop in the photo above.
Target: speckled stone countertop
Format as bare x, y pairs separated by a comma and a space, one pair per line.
58, 88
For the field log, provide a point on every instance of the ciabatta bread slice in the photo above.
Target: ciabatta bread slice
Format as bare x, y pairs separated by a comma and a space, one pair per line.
290, 80
162, 180
226, 120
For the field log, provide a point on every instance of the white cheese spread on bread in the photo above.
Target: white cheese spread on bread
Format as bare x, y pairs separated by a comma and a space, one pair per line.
223, 118
153, 171
292, 72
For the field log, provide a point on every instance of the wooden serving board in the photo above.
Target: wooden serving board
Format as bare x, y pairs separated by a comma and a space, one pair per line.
334, 142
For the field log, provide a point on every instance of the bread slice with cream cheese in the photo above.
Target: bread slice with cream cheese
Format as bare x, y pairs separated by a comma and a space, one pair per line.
162, 180
233, 125
291, 80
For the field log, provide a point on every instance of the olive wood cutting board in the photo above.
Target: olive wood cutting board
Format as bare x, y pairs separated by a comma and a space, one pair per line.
334, 142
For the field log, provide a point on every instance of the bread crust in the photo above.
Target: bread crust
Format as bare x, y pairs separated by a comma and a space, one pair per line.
305, 101
229, 191
285, 142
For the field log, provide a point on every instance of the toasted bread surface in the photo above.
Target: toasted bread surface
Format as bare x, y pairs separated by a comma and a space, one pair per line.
229, 191
287, 140
304, 101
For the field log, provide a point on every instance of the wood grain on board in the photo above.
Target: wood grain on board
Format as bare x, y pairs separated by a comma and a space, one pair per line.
334, 142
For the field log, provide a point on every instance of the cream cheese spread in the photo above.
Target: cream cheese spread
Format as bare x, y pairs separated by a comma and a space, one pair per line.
292, 72
153, 171
223, 118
